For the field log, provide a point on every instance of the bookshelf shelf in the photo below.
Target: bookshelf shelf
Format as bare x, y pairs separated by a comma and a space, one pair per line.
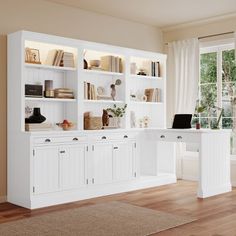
145, 77
146, 103
104, 101
103, 72
50, 99
47, 67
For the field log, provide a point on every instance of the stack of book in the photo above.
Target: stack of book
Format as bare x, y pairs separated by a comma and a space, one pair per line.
153, 94
152, 68
90, 91
63, 93
111, 63
38, 127
60, 58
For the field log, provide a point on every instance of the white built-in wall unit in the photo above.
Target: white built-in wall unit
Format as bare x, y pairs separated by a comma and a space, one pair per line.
55, 166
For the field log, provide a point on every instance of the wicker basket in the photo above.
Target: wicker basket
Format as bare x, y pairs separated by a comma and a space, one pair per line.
92, 123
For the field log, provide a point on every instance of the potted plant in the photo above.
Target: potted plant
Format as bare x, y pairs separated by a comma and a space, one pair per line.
117, 113
199, 110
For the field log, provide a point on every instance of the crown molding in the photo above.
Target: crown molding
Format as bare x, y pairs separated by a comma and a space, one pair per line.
198, 23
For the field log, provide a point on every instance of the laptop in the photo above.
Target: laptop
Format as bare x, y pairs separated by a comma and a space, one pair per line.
182, 121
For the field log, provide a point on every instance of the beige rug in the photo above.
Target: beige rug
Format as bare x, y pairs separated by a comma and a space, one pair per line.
107, 219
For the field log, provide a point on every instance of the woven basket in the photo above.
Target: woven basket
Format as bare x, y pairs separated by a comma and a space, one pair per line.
92, 123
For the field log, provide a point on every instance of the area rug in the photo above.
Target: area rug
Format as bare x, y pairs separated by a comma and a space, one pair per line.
106, 219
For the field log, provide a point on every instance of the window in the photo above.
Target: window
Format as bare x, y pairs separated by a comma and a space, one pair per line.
217, 86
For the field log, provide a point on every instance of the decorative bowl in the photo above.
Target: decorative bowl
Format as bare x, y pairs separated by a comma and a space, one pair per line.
94, 63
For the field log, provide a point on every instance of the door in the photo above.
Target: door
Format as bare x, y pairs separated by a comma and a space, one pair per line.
123, 161
102, 163
72, 166
46, 170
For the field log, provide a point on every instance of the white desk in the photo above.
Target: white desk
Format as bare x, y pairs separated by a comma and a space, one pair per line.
214, 155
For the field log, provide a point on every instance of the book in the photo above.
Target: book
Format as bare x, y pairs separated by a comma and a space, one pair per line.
106, 63
38, 127
51, 57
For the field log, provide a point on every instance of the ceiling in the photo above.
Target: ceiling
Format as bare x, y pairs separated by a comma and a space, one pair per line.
160, 13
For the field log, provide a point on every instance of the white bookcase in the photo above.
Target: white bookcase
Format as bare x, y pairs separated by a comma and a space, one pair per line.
34, 178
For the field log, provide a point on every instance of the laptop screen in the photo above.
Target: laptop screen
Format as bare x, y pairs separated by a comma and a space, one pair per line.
182, 121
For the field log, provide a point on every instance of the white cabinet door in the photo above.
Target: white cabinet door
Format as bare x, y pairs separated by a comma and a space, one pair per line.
123, 161
72, 166
102, 163
46, 170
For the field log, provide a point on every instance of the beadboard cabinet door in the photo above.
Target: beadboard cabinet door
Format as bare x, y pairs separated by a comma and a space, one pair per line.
46, 170
73, 166
102, 163
123, 161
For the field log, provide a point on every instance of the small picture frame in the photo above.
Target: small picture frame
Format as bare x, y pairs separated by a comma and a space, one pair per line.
32, 55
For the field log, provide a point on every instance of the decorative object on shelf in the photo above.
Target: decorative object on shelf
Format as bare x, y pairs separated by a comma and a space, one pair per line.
36, 117
32, 55
146, 120
65, 93
153, 94
105, 118
101, 90
48, 89
132, 119
140, 123
199, 110
33, 90
113, 89
94, 63
85, 64
66, 125
144, 98
92, 122
142, 72
133, 68
38, 127
117, 113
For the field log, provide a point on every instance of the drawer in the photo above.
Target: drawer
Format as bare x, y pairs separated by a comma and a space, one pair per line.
179, 137
62, 139
111, 137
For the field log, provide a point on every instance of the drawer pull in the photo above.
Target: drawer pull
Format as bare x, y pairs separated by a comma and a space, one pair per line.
125, 136
162, 136
63, 151
179, 137
115, 147
47, 140
75, 139
104, 137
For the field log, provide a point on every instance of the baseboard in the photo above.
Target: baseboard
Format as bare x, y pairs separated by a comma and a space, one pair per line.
3, 199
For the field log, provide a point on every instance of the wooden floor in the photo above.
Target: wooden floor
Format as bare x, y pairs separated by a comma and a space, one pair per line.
216, 216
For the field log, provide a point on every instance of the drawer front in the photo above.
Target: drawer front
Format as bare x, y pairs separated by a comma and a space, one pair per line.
62, 139
110, 137
178, 137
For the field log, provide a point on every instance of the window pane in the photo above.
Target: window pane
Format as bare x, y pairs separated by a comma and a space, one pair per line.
208, 71
204, 122
227, 123
227, 106
208, 93
228, 66
228, 91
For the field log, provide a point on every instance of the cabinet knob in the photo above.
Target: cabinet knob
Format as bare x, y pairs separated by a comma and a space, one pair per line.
63, 151
104, 137
47, 140
162, 136
115, 147
75, 139
125, 136
179, 137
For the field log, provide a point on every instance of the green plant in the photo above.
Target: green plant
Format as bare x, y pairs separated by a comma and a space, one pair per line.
117, 111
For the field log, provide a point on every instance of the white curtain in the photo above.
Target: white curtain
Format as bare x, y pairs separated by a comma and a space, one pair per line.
182, 77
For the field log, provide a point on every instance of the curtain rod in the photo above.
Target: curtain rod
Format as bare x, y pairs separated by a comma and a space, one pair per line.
212, 35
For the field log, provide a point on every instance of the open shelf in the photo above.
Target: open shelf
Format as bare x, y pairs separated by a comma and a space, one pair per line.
47, 67
104, 101
145, 77
146, 103
100, 72
50, 99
